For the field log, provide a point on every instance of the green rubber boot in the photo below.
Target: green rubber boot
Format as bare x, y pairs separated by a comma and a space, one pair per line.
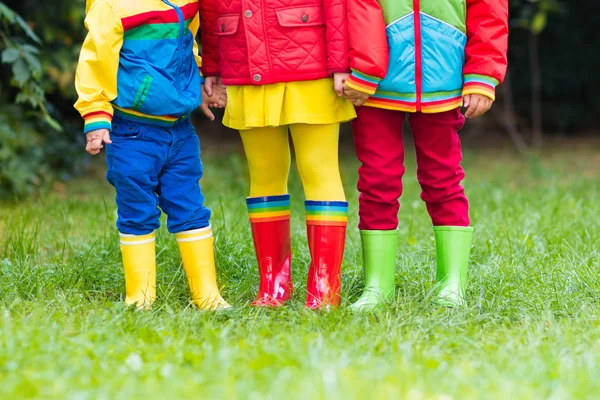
453, 245
379, 263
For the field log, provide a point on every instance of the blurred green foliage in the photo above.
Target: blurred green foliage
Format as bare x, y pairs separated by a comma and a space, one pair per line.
40, 139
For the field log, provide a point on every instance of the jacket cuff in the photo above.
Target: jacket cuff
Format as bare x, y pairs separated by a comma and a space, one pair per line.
97, 120
363, 83
480, 84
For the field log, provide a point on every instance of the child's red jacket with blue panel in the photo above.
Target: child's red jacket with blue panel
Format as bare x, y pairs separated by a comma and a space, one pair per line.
139, 61
425, 55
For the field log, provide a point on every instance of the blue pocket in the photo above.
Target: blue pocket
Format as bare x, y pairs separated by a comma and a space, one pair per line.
443, 55
401, 42
126, 130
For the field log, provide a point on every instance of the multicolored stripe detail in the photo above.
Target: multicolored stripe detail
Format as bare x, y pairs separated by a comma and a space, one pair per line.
140, 25
194, 235
136, 240
155, 31
362, 82
480, 84
269, 209
97, 120
407, 102
160, 120
330, 213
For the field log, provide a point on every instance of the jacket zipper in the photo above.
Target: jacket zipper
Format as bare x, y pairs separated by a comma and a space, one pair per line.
418, 53
179, 44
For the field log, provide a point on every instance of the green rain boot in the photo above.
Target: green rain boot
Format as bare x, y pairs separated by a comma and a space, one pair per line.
379, 259
453, 245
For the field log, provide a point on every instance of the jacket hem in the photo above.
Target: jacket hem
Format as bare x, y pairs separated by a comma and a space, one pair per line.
432, 107
156, 120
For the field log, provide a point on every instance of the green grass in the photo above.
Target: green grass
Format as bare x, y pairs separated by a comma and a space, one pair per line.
531, 329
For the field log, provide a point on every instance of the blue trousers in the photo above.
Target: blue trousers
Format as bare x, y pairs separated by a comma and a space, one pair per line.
152, 166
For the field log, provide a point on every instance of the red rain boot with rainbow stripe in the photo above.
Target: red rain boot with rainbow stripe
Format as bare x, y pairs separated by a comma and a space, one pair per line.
270, 222
326, 229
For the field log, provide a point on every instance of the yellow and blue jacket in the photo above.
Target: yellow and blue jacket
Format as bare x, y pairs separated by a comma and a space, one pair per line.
139, 61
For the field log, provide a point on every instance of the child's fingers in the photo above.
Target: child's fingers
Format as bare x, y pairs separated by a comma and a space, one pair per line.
484, 107
94, 146
351, 94
467, 101
473, 106
207, 112
107, 138
208, 86
338, 86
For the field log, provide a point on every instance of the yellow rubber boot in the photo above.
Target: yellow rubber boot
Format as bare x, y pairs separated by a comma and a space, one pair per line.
139, 263
198, 255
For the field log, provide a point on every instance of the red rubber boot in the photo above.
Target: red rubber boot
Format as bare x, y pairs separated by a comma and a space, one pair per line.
326, 228
270, 222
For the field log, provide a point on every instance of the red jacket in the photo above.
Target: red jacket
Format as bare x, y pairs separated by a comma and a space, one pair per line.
425, 55
269, 41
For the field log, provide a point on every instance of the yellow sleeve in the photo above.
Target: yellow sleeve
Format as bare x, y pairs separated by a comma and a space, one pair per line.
96, 75
194, 27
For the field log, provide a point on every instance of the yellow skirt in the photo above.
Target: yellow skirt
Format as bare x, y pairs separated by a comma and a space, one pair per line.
306, 102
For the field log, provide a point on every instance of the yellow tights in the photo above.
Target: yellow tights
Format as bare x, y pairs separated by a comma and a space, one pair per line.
269, 160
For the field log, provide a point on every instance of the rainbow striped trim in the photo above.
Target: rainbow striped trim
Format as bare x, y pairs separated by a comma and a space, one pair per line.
406, 102
363, 83
441, 101
480, 84
435, 102
269, 209
330, 213
97, 120
160, 17
160, 120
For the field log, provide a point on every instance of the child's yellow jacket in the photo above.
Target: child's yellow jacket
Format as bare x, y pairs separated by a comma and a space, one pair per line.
139, 61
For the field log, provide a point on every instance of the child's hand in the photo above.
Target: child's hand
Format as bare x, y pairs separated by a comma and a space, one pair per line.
95, 140
476, 105
339, 79
355, 97
214, 94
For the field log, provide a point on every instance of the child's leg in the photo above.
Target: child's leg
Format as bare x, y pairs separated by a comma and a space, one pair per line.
440, 174
380, 149
181, 198
318, 162
326, 209
134, 159
268, 155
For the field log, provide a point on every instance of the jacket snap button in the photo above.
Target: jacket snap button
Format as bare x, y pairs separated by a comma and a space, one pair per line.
247, 13
305, 18
257, 78
222, 27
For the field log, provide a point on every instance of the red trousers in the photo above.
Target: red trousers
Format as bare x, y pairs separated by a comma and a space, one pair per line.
380, 149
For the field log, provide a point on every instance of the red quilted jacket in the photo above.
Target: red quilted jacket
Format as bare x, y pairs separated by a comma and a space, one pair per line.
269, 41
